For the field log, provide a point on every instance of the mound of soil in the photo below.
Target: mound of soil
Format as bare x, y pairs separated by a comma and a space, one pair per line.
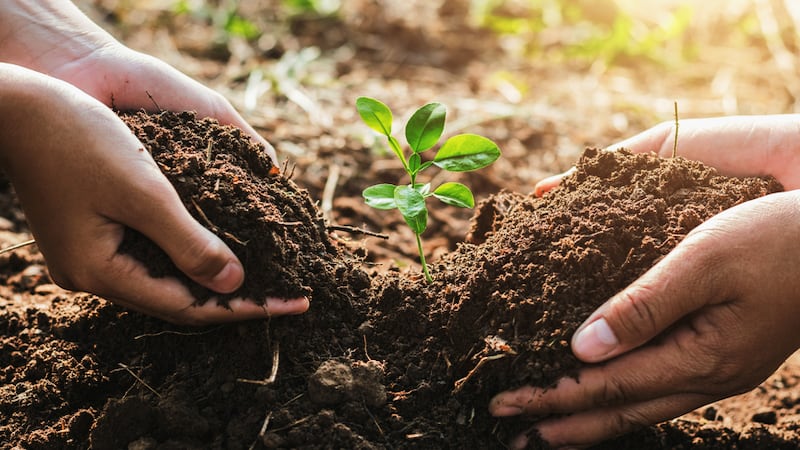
229, 184
381, 360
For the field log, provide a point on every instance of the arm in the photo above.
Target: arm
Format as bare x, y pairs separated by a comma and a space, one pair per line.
55, 38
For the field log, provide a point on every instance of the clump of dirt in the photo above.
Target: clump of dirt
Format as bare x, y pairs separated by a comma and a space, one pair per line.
379, 361
230, 185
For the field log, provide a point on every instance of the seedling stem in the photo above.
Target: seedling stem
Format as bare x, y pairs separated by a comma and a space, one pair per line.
425, 271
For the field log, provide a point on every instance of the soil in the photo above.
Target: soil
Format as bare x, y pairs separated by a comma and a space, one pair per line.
235, 190
382, 359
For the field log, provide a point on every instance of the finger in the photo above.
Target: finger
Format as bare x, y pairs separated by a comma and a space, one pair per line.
173, 90
615, 383
734, 145
546, 185
590, 427
658, 139
240, 309
153, 208
675, 287
129, 284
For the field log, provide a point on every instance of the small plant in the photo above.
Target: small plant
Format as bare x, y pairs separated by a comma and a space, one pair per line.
460, 153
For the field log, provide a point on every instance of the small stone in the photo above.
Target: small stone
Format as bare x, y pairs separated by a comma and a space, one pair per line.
368, 382
331, 383
273, 440
46, 289
769, 417
6, 224
144, 443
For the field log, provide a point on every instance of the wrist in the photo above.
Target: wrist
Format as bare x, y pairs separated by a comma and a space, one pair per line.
48, 36
35, 111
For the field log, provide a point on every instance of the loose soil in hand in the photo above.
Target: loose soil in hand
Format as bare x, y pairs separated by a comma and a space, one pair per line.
382, 359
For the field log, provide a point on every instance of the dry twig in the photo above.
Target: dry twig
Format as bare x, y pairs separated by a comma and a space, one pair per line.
17, 246
139, 379
273, 373
329, 191
460, 383
350, 229
178, 333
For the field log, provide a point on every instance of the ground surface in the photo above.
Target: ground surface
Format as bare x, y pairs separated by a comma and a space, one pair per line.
374, 365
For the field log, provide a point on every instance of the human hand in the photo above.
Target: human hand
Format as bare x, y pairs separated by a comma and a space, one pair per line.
82, 177
736, 146
60, 41
714, 318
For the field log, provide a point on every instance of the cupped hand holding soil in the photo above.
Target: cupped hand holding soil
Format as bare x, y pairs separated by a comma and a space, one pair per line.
83, 178
714, 318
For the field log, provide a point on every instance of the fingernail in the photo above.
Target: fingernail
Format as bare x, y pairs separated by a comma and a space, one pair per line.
520, 442
506, 410
229, 278
280, 307
595, 341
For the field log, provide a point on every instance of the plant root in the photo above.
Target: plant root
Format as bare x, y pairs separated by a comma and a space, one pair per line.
460, 382
273, 373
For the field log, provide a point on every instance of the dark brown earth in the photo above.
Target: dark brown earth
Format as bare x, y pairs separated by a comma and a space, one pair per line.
382, 359
230, 185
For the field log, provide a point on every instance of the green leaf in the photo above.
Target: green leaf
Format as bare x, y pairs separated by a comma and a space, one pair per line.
237, 25
414, 161
412, 206
455, 194
375, 114
425, 127
380, 196
466, 152
423, 189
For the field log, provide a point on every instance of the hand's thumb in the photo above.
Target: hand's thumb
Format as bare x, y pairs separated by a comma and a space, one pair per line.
195, 250
676, 286
203, 257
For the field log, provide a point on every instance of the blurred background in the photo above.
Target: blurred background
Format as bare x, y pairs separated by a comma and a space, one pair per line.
596, 70
544, 78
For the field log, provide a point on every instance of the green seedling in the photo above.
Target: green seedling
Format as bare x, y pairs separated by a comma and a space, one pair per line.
460, 153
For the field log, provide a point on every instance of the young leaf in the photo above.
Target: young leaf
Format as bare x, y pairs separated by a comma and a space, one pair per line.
375, 114
425, 127
455, 194
423, 189
466, 152
414, 161
380, 196
412, 206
